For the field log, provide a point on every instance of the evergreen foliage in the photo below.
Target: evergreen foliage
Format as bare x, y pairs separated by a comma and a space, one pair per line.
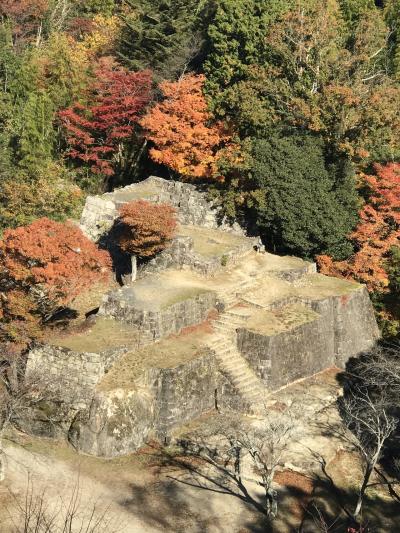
237, 42
279, 106
353, 9
164, 35
307, 210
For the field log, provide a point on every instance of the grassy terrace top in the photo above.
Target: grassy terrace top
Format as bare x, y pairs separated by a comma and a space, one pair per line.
211, 242
159, 292
311, 287
280, 320
102, 335
141, 190
168, 353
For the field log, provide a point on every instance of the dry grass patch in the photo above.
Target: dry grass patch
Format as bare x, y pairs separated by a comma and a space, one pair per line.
100, 335
168, 353
280, 320
211, 242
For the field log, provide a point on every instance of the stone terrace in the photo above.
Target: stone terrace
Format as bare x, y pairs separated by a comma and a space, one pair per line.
210, 323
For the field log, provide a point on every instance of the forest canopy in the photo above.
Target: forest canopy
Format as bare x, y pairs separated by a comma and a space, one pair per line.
287, 111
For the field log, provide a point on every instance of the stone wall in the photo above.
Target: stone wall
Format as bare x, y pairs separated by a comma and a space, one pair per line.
77, 372
186, 392
356, 329
158, 323
181, 255
192, 205
116, 423
294, 354
346, 328
98, 216
121, 421
73, 380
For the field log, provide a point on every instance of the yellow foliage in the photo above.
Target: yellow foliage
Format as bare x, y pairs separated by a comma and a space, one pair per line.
101, 39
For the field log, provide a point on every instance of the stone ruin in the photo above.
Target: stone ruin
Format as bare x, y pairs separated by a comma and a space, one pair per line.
211, 323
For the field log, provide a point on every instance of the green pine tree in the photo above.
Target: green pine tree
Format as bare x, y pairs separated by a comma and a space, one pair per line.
236, 41
353, 9
311, 203
164, 35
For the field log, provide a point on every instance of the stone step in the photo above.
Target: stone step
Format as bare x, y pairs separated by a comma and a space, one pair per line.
225, 354
235, 314
226, 322
252, 395
228, 358
228, 298
236, 372
230, 320
231, 361
223, 329
238, 369
234, 361
248, 393
245, 378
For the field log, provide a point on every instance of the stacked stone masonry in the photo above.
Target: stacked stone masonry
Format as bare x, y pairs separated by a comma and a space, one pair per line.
267, 321
193, 207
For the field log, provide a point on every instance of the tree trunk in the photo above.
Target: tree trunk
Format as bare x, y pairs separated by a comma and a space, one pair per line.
363, 488
271, 503
134, 268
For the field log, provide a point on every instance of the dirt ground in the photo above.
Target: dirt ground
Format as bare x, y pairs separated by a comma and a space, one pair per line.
144, 493
137, 497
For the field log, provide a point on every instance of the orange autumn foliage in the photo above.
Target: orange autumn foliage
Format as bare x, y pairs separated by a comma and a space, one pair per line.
146, 228
377, 232
184, 135
43, 267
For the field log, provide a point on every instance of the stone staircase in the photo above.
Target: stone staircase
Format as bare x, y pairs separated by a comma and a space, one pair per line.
230, 298
232, 363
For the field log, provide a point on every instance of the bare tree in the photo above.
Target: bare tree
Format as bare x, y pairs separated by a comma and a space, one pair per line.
22, 394
35, 514
370, 427
380, 370
240, 450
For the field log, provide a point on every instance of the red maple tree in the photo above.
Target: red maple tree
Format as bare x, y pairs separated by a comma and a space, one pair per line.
26, 18
43, 267
375, 235
100, 134
146, 228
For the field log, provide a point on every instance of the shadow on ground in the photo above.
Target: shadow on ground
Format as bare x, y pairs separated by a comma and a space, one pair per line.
191, 497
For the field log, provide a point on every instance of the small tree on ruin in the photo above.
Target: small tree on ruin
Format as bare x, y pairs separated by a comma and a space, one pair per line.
146, 228
43, 267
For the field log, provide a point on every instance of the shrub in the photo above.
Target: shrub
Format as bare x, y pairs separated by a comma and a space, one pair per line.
22, 201
146, 228
377, 233
43, 267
